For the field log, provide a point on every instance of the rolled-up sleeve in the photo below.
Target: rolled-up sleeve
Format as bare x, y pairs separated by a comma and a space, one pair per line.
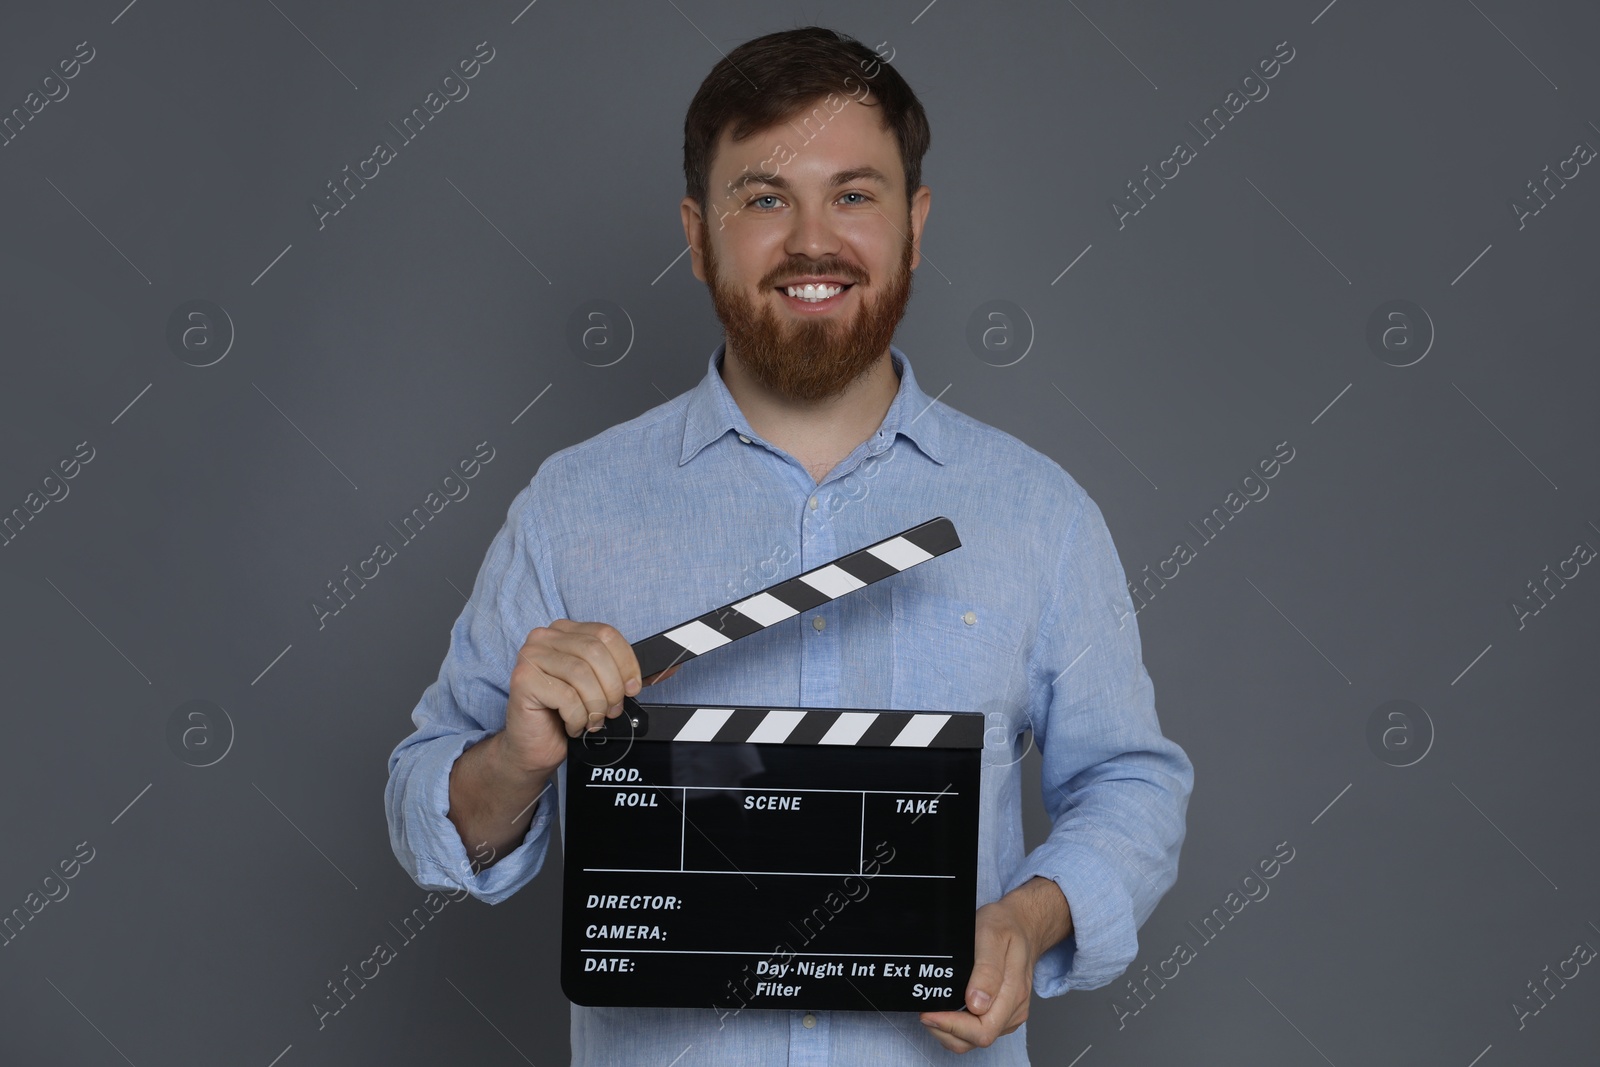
513, 594
1117, 790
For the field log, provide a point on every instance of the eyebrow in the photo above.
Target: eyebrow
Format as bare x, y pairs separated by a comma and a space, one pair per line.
844, 177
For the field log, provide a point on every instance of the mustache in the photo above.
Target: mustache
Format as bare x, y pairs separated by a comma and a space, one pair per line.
835, 270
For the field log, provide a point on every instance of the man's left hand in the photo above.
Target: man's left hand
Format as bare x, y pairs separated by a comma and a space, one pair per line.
1012, 933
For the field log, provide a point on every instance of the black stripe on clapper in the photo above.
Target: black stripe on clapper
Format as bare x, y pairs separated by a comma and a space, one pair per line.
656, 654
962, 731
741, 724
865, 566
797, 594
935, 537
885, 728
809, 730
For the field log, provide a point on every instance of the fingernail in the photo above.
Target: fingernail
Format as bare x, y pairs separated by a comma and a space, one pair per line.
616, 709
632, 688
981, 1000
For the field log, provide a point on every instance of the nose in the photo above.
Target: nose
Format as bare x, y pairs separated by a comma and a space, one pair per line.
812, 234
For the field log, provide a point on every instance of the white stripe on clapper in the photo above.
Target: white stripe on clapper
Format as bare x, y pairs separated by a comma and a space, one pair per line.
775, 727
848, 728
899, 553
765, 609
703, 724
832, 581
697, 637
921, 730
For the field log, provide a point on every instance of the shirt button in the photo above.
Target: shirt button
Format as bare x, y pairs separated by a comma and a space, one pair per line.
819, 622
743, 438
809, 1021
812, 503
969, 618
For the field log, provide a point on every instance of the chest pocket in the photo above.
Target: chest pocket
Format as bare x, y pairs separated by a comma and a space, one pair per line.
951, 653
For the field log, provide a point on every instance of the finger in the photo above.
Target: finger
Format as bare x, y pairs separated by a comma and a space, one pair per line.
575, 670
592, 670
556, 660
1010, 1009
1009, 1005
989, 957
661, 676
987, 976
613, 659
988, 969
938, 1023
622, 656
544, 693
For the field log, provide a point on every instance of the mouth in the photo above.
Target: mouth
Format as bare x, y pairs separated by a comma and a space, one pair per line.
814, 298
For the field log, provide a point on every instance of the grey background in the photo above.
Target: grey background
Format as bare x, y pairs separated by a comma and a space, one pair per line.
370, 356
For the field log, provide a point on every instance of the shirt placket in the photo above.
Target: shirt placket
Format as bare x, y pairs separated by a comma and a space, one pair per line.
820, 665
821, 674
808, 1038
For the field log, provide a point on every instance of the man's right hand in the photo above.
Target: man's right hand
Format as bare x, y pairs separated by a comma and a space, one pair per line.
569, 677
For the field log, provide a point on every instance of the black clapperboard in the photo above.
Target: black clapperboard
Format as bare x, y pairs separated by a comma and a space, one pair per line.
791, 858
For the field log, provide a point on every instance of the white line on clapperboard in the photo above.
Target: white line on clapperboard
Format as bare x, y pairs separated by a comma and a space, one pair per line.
772, 789
806, 874
683, 812
716, 952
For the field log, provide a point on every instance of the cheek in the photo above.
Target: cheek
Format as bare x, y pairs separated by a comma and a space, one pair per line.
745, 258
878, 248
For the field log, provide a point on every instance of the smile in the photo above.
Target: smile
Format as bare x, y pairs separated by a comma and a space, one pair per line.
814, 298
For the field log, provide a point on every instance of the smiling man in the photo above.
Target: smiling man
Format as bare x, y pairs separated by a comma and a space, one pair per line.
811, 292
808, 438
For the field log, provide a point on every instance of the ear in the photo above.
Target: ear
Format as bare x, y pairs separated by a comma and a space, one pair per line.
692, 229
921, 201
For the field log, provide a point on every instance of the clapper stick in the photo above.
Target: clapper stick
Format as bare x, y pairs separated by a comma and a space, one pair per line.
785, 599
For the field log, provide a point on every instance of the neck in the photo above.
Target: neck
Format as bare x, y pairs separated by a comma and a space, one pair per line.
827, 429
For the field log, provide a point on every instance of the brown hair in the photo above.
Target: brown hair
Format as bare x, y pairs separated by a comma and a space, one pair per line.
770, 79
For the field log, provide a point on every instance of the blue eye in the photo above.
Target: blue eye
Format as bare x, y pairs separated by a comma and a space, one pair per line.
864, 198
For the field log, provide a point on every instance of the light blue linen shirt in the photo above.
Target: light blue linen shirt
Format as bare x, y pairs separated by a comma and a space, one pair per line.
686, 508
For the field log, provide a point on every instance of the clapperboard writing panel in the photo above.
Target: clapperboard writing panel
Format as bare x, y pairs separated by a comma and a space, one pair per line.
811, 858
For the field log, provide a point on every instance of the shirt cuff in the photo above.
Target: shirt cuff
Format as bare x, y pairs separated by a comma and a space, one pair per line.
1104, 939
439, 857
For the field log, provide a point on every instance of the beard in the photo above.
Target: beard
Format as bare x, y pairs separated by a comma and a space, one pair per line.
816, 357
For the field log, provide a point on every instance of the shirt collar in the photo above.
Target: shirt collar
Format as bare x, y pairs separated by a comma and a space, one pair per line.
712, 412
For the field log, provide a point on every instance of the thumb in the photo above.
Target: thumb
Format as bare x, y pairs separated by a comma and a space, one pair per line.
986, 972
980, 991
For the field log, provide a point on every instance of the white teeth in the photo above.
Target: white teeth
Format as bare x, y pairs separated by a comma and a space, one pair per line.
814, 293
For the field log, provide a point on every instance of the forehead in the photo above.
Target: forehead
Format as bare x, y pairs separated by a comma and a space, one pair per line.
825, 137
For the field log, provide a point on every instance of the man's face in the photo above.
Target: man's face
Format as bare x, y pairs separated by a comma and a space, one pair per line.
800, 222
